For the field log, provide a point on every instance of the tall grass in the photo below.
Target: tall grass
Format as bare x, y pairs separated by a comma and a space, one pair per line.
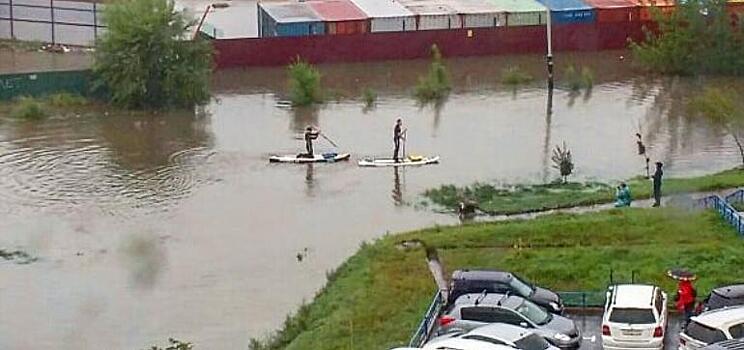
369, 97
435, 85
66, 100
304, 83
578, 78
26, 107
514, 75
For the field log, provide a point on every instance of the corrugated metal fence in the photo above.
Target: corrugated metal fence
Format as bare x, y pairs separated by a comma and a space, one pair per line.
44, 83
51, 21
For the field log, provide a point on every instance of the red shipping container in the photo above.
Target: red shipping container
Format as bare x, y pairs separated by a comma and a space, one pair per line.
616, 10
665, 6
340, 16
735, 10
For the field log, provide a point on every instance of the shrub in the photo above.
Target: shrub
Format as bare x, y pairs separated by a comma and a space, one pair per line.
435, 85
143, 61
66, 100
304, 83
563, 161
28, 108
577, 79
369, 97
514, 75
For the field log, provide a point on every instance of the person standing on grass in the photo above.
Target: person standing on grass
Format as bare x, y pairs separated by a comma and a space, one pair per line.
657, 184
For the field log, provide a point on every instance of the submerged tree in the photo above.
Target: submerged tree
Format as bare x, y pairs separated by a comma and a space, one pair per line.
435, 85
698, 37
174, 344
723, 109
304, 83
145, 61
563, 161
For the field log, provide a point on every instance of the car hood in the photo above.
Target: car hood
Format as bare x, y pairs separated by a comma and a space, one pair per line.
563, 325
544, 297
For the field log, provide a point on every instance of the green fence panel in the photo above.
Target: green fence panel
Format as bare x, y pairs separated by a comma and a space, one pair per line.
45, 83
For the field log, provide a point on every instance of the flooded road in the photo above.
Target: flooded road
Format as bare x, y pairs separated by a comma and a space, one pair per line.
176, 225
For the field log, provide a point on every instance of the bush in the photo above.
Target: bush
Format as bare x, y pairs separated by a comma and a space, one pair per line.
515, 76
304, 83
28, 108
435, 85
66, 100
143, 61
578, 79
563, 161
369, 97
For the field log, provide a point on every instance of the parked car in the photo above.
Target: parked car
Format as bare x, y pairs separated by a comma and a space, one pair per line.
501, 282
499, 333
712, 327
635, 317
471, 311
463, 344
724, 296
733, 344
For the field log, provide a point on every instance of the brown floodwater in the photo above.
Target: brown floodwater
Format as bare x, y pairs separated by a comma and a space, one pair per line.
175, 225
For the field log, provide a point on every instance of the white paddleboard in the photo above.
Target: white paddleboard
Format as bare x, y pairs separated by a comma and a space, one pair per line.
316, 158
387, 162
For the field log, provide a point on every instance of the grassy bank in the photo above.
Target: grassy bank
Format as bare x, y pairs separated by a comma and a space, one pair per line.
376, 298
523, 198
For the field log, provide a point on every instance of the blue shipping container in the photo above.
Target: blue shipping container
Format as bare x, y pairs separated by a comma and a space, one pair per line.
570, 11
288, 19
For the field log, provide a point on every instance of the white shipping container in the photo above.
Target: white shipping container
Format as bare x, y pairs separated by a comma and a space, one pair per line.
526, 18
387, 15
479, 13
433, 14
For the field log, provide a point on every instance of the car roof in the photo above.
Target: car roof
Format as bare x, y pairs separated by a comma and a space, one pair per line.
465, 344
730, 292
636, 296
721, 318
490, 275
508, 301
504, 331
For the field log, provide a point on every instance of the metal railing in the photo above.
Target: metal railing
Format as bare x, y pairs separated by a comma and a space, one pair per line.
426, 326
723, 207
51, 21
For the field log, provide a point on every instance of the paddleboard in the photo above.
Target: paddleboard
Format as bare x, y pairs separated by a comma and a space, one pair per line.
409, 161
317, 158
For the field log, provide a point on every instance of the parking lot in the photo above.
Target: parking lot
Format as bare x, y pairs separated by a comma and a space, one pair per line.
591, 329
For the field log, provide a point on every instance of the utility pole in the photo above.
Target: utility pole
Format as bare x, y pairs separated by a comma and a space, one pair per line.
549, 57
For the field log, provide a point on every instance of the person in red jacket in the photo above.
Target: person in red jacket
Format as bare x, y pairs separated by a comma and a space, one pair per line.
686, 298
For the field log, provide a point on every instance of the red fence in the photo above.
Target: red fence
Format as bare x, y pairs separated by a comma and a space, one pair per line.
410, 45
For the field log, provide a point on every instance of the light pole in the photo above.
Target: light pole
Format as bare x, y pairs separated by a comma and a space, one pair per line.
549, 56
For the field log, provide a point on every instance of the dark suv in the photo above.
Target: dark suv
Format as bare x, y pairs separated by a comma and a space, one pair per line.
501, 282
724, 296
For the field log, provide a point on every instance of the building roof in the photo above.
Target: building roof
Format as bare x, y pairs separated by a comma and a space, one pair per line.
635, 296
473, 6
289, 12
611, 4
721, 318
382, 8
565, 5
428, 7
337, 10
519, 5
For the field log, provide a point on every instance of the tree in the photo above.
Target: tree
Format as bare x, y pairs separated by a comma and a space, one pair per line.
563, 161
304, 83
145, 61
435, 85
723, 109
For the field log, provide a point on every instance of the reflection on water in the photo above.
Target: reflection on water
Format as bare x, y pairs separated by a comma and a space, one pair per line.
151, 226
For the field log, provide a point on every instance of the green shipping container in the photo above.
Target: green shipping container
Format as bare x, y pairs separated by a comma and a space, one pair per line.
522, 12
45, 83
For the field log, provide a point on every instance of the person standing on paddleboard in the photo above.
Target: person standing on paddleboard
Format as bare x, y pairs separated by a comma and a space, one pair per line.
310, 135
398, 134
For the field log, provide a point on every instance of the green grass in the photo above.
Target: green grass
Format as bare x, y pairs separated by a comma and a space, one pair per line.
377, 297
66, 100
369, 97
514, 75
577, 79
28, 108
525, 198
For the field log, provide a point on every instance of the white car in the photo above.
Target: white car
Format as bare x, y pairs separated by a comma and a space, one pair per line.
712, 327
465, 344
500, 334
635, 317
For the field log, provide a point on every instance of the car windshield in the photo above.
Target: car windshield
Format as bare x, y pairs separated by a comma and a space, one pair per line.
532, 342
533, 312
521, 287
703, 333
632, 316
717, 301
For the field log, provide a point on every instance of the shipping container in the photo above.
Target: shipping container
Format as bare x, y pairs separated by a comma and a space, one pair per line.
387, 15
478, 13
288, 19
340, 16
433, 14
522, 12
615, 10
648, 7
569, 11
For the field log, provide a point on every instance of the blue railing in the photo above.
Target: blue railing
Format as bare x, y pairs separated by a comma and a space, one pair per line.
735, 197
723, 207
423, 332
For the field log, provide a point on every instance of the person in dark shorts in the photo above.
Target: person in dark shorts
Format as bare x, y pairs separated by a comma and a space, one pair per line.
657, 184
310, 135
398, 134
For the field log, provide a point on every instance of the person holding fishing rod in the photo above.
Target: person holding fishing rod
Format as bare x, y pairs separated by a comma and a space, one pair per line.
398, 134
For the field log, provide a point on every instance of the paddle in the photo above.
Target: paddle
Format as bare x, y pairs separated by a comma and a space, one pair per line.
329, 140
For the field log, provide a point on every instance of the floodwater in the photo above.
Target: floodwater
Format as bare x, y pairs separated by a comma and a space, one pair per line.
175, 225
